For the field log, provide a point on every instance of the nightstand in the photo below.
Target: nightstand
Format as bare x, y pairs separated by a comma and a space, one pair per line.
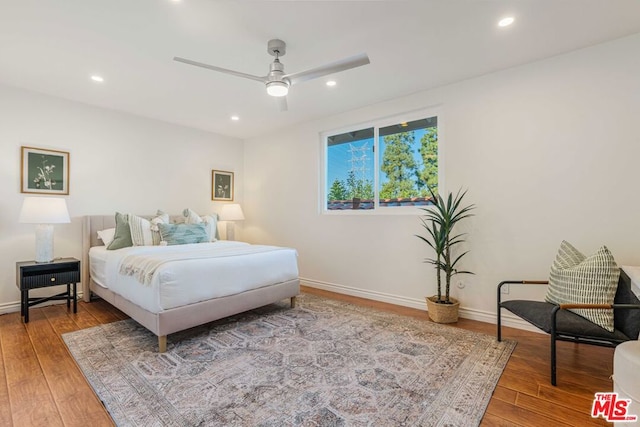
33, 275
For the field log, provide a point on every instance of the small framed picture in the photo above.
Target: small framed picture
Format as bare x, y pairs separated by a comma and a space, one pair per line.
222, 186
44, 171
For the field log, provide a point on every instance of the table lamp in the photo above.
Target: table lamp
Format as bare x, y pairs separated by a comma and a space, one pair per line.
44, 211
230, 213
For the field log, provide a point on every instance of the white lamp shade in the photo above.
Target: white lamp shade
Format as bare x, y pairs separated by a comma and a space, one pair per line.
44, 210
231, 212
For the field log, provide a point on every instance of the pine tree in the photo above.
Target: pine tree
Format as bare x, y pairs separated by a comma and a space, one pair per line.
337, 191
399, 166
428, 176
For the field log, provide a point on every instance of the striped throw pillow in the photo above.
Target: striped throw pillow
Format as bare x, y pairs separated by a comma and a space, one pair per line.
140, 231
145, 232
577, 279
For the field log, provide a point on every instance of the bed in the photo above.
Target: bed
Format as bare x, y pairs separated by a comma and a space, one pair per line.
180, 294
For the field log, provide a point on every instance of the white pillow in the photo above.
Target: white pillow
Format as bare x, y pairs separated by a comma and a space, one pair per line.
160, 218
210, 222
191, 217
107, 235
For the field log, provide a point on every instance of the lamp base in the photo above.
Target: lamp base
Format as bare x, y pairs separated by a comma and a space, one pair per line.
44, 243
231, 231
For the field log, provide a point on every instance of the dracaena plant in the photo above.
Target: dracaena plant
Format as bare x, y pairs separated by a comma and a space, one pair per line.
439, 221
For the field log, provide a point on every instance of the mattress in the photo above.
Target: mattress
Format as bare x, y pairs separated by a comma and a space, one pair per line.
231, 268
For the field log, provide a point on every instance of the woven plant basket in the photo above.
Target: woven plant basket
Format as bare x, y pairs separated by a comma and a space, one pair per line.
443, 313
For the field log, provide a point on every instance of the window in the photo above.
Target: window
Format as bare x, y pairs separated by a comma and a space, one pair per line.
400, 175
350, 177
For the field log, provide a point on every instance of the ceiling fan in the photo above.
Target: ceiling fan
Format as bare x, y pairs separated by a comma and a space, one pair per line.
276, 81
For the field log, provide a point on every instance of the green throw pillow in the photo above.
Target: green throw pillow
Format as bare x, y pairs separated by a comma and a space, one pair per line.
577, 279
122, 237
182, 234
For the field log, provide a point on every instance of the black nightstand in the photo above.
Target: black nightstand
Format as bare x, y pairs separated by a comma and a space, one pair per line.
33, 275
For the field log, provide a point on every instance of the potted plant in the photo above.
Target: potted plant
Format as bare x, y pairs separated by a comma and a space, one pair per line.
439, 221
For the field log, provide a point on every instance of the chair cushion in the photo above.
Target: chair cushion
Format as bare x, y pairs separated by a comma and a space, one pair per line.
577, 279
538, 313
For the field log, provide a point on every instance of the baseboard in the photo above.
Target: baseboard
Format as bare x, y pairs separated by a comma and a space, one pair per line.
508, 320
12, 307
465, 313
362, 293
9, 307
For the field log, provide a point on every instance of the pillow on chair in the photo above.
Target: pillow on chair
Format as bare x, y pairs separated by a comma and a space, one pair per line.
576, 279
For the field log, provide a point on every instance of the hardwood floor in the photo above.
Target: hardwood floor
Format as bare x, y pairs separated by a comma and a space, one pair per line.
40, 384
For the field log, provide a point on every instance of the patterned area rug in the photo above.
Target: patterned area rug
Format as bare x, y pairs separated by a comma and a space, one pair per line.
324, 363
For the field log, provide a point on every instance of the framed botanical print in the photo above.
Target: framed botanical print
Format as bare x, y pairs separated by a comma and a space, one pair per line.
44, 171
222, 186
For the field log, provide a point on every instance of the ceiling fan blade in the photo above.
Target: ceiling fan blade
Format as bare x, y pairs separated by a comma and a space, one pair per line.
282, 103
334, 67
222, 70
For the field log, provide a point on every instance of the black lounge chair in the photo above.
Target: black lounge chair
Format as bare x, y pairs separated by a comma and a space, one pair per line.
562, 324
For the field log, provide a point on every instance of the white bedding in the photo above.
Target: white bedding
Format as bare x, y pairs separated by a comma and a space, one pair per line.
177, 283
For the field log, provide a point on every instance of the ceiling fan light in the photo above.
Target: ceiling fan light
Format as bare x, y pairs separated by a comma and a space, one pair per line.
277, 88
505, 22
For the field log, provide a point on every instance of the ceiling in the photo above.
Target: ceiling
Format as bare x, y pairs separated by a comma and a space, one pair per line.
54, 47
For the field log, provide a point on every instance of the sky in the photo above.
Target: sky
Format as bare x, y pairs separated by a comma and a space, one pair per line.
338, 157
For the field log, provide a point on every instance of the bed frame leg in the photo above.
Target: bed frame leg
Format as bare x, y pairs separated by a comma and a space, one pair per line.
293, 302
162, 343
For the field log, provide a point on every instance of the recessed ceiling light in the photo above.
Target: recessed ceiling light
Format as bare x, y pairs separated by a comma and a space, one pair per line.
505, 22
235, 118
331, 83
96, 78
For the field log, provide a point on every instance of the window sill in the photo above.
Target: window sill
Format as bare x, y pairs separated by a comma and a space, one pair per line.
388, 211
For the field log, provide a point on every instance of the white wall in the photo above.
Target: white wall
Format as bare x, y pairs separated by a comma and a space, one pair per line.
549, 151
118, 162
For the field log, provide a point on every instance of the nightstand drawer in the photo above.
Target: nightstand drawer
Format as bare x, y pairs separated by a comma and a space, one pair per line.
52, 279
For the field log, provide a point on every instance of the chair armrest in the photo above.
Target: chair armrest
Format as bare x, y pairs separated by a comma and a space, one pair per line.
521, 282
598, 306
574, 306
516, 282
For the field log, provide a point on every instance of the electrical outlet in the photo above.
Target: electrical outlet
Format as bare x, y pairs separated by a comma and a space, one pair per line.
505, 289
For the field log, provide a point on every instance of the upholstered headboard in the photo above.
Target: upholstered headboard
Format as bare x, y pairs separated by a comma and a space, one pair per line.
90, 227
